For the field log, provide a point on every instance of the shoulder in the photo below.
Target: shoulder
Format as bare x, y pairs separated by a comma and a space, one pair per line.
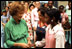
59, 29
49, 26
8, 24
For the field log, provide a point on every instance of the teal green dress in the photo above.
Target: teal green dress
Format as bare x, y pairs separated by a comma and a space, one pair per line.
15, 33
69, 16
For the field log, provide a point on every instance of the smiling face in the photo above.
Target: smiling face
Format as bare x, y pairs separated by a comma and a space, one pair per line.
18, 17
41, 18
47, 18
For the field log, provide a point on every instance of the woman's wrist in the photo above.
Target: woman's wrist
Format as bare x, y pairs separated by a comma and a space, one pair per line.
17, 44
28, 39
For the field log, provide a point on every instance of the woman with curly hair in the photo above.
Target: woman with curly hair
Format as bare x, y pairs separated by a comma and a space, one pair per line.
16, 30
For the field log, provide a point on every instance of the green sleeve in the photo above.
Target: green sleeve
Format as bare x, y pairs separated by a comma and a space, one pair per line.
7, 37
27, 34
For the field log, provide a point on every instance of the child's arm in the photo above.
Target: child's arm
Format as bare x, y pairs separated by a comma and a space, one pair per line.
3, 24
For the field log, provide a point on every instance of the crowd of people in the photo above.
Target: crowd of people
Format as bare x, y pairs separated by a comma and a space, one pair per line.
30, 25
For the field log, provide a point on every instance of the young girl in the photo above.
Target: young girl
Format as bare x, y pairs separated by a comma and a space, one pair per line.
63, 15
40, 29
4, 18
54, 37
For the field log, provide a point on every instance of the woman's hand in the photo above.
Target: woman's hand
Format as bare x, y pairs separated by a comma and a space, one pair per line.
29, 43
34, 28
23, 45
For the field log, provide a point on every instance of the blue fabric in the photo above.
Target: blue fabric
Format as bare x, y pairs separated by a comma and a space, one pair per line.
40, 32
4, 19
2, 35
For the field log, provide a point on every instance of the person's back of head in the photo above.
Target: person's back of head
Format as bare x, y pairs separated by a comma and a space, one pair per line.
54, 13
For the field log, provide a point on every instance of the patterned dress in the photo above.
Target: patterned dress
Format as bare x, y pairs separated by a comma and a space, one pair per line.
27, 18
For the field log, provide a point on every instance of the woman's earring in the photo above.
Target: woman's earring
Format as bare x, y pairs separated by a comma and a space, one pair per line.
51, 20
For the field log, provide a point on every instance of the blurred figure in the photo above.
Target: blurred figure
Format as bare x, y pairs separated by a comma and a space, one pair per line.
50, 4
31, 7
4, 17
34, 14
9, 4
3, 22
34, 3
22, 3
46, 5
8, 14
26, 4
68, 11
63, 14
35, 17
2, 36
67, 7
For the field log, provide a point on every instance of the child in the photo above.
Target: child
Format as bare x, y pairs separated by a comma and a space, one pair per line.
3, 22
40, 29
63, 14
55, 37
4, 18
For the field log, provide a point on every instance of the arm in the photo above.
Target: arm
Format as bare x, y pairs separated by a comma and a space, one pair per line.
3, 24
7, 37
35, 36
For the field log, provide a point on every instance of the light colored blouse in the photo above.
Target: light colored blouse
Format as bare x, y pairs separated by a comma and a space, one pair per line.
58, 32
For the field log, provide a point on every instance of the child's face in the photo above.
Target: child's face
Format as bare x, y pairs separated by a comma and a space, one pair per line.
47, 18
61, 9
32, 7
4, 13
41, 17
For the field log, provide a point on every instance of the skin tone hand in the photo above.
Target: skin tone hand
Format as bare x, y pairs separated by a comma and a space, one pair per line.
3, 24
29, 42
23, 45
